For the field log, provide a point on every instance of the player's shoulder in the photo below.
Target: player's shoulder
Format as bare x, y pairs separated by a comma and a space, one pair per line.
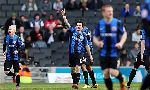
117, 20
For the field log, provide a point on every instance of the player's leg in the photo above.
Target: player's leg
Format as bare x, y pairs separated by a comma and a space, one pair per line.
16, 71
85, 74
91, 74
7, 67
116, 73
133, 72
146, 83
105, 64
72, 64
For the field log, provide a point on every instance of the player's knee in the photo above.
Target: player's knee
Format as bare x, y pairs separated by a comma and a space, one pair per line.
106, 74
114, 72
77, 68
89, 68
83, 66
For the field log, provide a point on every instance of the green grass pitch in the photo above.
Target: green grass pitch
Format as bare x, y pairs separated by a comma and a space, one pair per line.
46, 86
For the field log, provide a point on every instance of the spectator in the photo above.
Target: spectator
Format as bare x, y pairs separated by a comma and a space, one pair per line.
58, 5
45, 7
24, 21
53, 22
137, 12
136, 35
126, 11
28, 42
71, 5
49, 35
22, 33
25, 73
35, 32
36, 21
133, 54
123, 57
83, 5
12, 21
64, 35
40, 43
30, 5
95, 5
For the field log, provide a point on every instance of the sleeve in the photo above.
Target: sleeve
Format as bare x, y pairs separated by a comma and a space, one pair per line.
42, 23
121, 28
4, 45
46, 24
21, 44
143, 36
23, 8
85, 40
96, 30
72, 29
54, 6
35, 7
31, 24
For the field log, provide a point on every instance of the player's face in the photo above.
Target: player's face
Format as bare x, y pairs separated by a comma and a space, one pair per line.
10, 31
79, 26
108, 12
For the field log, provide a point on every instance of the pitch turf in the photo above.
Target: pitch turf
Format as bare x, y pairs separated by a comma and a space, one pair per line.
45, 86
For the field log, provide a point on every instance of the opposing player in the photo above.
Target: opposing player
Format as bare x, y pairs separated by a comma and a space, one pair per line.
77, 44
87, 63
12, 44
143, 56
110, 36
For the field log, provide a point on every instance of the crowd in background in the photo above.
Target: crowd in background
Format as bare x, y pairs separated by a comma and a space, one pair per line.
42, 31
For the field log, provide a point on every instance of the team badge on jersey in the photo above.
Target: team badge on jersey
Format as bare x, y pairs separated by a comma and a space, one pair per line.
114, 28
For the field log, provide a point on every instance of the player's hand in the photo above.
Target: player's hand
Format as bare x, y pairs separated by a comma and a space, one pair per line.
63, 12
119, 45
91, 60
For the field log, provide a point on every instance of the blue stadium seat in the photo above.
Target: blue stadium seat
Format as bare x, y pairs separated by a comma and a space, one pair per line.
6, 7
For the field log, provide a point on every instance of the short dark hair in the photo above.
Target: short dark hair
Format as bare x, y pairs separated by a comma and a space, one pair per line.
80, 21
37, 14
105, 6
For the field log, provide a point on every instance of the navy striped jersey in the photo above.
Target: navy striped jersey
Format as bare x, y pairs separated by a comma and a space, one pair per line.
89, 38
110, 35
77, 42
12, 46
146, 38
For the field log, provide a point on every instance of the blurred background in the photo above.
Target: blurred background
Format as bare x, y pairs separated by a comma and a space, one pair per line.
45, 35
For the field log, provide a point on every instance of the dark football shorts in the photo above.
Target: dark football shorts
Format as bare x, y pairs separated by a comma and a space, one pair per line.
87, 60
108, 62
9, 63
76, 59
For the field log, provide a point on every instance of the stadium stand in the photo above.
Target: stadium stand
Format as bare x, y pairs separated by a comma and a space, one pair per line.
57, 52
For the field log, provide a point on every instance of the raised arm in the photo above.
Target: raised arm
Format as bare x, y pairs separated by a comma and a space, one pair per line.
65, 18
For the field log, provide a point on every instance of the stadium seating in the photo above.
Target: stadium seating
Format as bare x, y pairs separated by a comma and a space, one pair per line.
57, 53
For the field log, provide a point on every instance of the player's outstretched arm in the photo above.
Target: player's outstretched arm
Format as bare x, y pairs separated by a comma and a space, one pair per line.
65, 18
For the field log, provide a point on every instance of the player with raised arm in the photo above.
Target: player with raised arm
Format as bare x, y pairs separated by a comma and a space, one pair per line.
12, 45
110, 36
77, 44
